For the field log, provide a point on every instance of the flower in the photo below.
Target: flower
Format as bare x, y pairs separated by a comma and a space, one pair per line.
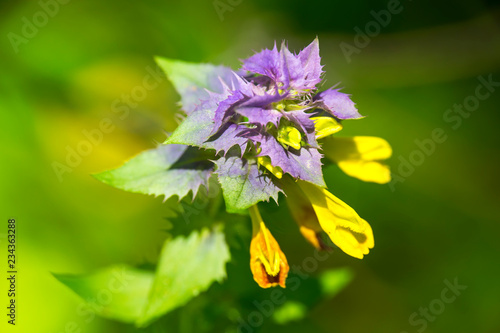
271, 111
267, 262
303, 213
269, 124
344, 226
264, 130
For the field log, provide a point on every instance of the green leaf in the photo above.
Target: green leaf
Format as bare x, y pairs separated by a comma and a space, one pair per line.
243, 185
166, 170
118, 292
191, 79
187, 267
196, 128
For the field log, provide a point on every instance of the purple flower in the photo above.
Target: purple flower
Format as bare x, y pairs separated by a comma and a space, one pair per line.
267, 114
263, 130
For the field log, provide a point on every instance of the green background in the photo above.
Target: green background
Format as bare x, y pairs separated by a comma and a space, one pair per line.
441, 223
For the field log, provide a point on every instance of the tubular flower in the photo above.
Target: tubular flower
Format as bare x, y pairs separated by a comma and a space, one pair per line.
303, 213
346, 229
267, 262
256, 131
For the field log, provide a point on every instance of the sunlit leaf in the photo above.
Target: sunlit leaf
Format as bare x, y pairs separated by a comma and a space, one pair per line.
243, 185
196, 128
187, 267
166, 170
191, 79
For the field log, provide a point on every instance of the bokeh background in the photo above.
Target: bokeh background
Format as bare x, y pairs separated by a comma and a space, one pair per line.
440, 223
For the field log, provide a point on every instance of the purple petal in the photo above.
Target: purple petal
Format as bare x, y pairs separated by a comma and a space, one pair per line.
266, 62
260, 80
242, 85
225, 109
287, 70
304, 164
311, 62
251, 102
258, 109
262, 99
292, 72
338, 104
260, 116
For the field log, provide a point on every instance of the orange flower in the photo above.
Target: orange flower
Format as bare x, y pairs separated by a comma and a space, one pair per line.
267, 262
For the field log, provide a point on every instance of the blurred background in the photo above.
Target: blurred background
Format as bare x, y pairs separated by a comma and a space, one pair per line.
63, 72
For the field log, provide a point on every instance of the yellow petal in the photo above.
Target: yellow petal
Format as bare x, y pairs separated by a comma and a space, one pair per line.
267, 262
368, 171
326, 126
265, 161
368, 148
344, 226
360, 157
290, 136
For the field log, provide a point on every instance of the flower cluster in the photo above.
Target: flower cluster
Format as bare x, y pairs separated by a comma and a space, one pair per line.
268, 127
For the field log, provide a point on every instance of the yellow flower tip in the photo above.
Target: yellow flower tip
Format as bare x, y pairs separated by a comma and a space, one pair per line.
290, 136
344, 226
326, 126
265, 161
373, 148
368, 171
360, 157
267, 262
355, 244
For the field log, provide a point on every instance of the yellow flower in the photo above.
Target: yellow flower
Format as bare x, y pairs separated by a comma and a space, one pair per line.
360, 157
303, 213
289, 136
344, 226
267, 262
265, 161
326, 126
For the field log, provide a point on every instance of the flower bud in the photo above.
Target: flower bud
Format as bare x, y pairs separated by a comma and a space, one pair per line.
267, 262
